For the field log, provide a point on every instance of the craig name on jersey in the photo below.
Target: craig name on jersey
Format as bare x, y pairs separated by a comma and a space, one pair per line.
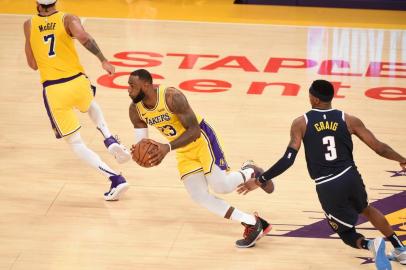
324, 125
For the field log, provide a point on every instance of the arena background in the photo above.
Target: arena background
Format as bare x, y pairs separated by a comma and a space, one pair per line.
246, 69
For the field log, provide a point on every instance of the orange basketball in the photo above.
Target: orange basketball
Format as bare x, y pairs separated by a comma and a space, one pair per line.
141, 152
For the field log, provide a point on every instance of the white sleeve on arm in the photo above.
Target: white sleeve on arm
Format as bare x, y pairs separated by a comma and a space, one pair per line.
140, 133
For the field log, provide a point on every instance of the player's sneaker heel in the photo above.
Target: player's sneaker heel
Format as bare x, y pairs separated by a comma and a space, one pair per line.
117, 188
118, 150
252, 233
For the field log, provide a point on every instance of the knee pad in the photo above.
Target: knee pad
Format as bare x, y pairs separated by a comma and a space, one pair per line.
350, 237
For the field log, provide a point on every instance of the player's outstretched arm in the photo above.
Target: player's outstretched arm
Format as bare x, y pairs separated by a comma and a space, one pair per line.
265, 180
75, 28
357, 127
28, 50
179, 105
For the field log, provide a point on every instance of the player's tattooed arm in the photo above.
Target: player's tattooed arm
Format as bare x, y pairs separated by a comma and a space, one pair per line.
92, 47
75, 28
179, 105
297, 131
135, 118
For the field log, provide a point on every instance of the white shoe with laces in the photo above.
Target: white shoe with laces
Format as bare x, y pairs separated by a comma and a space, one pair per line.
398, 255
250, 170
118, 150
377, 247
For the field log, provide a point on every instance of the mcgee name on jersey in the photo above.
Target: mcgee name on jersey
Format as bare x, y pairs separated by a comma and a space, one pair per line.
47, 27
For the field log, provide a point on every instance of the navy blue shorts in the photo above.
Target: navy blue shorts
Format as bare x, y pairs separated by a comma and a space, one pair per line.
343, 199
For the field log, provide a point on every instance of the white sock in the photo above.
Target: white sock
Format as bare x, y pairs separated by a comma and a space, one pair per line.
87, 155
243, 217
96, 115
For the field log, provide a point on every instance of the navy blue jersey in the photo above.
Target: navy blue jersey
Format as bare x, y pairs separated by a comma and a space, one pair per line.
327, 142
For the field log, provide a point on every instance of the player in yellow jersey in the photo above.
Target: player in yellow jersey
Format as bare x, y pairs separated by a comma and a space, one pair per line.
49, 48
201, 160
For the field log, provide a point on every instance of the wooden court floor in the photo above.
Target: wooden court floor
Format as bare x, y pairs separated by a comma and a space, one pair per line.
250, 81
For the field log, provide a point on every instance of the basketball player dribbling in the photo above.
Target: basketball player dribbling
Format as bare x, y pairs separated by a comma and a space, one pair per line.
49, 48
201, 160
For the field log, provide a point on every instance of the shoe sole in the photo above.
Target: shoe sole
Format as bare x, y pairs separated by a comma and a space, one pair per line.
120, 154
264, 233
394, 259
119, 191
252, 244
381, 261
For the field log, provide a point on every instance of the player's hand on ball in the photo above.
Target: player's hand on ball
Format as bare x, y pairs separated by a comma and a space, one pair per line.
132, 149
141, 152
157, 156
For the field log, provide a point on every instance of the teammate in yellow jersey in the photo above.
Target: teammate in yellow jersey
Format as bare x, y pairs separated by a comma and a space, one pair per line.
201, 160
49, 48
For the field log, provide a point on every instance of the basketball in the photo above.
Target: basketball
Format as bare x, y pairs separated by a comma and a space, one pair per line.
141, 151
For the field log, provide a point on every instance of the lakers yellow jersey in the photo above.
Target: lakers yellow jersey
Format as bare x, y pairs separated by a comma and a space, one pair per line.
161, 117
53, 48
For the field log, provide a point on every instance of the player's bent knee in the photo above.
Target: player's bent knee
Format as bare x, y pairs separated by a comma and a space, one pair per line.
367, 211
73, 138
350, 237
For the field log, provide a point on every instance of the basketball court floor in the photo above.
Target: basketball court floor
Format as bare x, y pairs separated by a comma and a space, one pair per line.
247, 70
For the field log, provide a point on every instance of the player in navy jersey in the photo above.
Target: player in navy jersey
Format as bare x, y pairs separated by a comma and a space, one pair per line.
326, 135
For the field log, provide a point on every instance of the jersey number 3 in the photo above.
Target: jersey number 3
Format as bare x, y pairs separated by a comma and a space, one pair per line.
331, 148
50, 39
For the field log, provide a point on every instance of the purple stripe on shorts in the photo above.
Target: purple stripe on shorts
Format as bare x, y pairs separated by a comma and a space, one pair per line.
62, 80
93, 89
58, 135
219, 158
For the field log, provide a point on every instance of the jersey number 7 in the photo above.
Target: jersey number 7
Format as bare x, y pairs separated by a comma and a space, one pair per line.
50, 39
